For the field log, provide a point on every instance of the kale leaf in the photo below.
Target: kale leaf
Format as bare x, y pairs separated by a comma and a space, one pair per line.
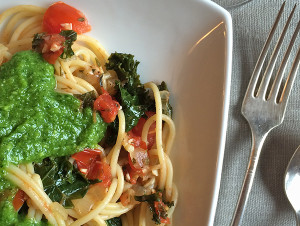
126, 68
116, 221
165, 95
87, 99
61, 180
148, 198
133, 110
71, 36
38, 40
132, 95
161, 211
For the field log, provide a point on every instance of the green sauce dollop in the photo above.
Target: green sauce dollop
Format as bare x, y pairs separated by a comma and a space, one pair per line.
35, 121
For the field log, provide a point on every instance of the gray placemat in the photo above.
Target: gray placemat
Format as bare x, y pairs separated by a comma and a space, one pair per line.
267, 204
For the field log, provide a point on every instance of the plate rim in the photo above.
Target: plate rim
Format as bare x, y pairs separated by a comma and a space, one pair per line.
225, 16
227, 19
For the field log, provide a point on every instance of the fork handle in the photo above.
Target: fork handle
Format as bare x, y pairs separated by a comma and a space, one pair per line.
257, 142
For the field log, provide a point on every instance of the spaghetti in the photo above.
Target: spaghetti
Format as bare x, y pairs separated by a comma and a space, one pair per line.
19, 25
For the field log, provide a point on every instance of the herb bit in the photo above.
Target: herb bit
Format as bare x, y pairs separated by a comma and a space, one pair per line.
71, 37
116, 221
87, 99
165, 95
157, 205
81, 19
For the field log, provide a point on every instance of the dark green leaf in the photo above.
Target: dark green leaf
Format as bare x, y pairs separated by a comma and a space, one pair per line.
81, 19
124, 65
87, 99
155, 197
163, 86
133, 111
131, 95
71, 36
37, 41
165, 95
112, 132
61, 180
148, 198
114, 222
126, 68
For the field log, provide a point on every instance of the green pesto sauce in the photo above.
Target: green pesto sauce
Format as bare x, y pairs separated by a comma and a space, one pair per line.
9, 217
35, 121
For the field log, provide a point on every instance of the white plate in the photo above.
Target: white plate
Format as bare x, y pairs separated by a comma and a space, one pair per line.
188, 44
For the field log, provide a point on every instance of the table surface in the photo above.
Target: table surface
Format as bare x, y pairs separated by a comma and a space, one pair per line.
267, 205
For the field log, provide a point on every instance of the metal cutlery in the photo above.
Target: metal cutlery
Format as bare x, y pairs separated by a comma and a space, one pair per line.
265, 104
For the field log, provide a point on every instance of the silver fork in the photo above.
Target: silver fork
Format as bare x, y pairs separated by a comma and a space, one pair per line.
265, 111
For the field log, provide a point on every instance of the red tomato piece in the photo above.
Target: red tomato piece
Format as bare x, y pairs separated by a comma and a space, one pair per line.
60, 16
107, 107
89, 163
136, 141
105, 174
86, 159
19, 199
52, 47
51, 57
137, 130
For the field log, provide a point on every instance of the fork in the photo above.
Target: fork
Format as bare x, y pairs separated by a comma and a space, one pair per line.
264, 109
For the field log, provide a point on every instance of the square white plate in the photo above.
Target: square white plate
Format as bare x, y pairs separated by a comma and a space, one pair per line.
188, 44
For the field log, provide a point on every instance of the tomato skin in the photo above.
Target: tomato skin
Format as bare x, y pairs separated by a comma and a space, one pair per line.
101, 171
89, 163
86, 158
137, 130
107, 107
136, 141
51, 57
59, 14
19, 199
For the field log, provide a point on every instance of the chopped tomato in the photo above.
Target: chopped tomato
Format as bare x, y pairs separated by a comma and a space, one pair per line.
51, 46
102, 172
60, 16
51, 57
19, 199
85, 159
159, 209
137, 130
136, 141
89, 163
107, 107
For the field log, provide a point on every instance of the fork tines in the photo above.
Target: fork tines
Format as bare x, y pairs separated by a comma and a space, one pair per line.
263, 87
